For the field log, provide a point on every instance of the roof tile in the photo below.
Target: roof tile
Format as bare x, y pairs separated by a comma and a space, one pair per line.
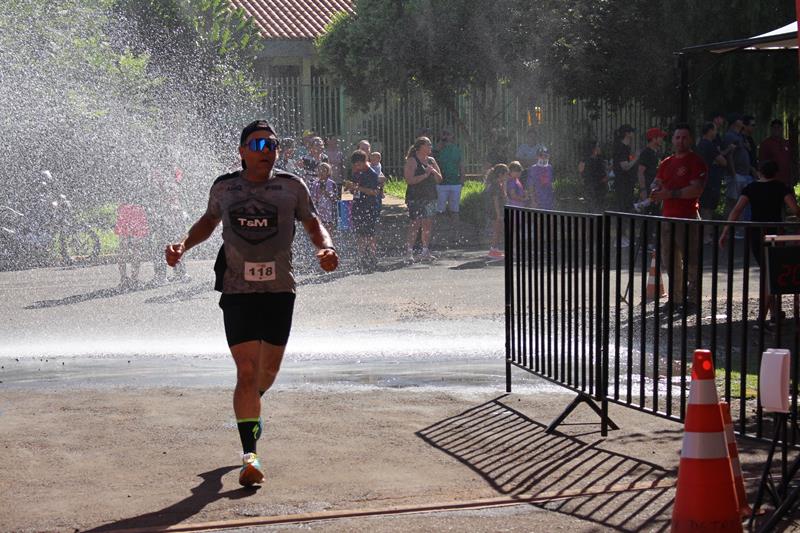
292, 19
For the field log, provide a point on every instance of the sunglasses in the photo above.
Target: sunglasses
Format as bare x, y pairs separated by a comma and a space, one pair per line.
260, 145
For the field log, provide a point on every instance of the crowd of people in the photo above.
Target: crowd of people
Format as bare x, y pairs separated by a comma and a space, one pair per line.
433, 173
723, 170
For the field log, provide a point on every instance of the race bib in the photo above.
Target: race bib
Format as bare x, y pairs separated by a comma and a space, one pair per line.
259, 271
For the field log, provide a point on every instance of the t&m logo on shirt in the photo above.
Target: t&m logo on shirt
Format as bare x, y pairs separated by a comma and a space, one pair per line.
253, 220
682, 171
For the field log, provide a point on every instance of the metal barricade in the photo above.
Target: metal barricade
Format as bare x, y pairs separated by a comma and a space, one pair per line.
581, 311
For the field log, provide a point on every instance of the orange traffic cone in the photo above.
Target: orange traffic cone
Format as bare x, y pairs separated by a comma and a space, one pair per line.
705, 498
736, 466
654, 285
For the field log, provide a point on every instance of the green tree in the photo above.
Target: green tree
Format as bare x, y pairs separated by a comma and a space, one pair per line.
446, 48
610, 51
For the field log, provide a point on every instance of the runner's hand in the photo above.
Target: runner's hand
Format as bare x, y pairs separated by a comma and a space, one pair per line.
173, 253
328, 259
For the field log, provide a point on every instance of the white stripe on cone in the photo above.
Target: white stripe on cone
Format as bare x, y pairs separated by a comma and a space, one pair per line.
703, 392
710, 445
729, 435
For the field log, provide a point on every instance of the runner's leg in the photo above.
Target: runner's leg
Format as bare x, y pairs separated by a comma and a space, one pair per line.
270, 358
246, 401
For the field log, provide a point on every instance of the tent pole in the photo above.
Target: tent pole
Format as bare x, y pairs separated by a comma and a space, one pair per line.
683, 88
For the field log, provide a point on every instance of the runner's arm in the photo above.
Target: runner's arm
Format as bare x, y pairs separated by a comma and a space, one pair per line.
736, 212
199, 232
326, 253
319, 236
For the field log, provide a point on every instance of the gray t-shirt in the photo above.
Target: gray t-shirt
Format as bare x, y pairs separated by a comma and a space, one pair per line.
258, 226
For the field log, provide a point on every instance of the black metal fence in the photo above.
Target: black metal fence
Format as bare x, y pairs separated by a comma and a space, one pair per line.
612, 306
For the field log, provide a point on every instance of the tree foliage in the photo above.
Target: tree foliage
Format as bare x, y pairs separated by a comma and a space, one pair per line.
107, 90
596, 50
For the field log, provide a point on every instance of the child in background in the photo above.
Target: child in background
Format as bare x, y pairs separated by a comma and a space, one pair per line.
540, 182
325, 194
495, 198
375, 163
132, 230
515, 192
365, 188
766, 197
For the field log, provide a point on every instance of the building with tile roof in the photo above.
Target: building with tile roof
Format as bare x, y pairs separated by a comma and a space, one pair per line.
289, 28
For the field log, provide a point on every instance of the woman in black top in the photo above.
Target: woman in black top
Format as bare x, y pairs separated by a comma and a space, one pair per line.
766, 198
594, 170
422, 174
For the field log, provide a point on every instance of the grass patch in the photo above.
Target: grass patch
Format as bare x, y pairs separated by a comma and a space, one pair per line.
473, 208
109, 242
751, 385
395, 187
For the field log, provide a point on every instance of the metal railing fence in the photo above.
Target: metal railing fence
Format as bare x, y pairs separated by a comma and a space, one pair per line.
392, 124
611, 306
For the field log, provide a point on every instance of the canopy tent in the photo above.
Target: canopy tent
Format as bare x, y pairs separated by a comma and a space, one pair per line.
783, 38
780, 39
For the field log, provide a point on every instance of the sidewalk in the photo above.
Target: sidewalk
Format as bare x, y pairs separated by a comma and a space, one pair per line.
447, 234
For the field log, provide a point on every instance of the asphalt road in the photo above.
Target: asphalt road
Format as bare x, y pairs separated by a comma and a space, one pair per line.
404, 324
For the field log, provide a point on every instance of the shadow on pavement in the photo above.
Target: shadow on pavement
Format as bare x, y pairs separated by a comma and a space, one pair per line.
515, 456
108, 292
208, 491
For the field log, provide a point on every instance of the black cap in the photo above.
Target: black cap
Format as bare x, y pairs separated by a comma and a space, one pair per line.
256, 125
625, 128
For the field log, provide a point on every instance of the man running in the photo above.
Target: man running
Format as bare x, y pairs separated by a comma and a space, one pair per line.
258, 207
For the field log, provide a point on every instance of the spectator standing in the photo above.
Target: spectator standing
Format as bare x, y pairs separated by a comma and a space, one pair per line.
775, 148
422, 174
540, 182
133, 231
287, 158
624, 167
312, 160
594, 170
450, 159
164, 215
738, 161
335, 159
495, 199
748, 127
718, 119
497, 150
375, 159
528, 152
767, 197
304, 147
648, 162
365, 188
515, 191
325, 193
708, 149
679, 183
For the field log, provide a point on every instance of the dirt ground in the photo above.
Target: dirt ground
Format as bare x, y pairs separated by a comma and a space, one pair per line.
111, 459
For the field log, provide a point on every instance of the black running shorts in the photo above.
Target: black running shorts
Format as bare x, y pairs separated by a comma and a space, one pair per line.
263, 316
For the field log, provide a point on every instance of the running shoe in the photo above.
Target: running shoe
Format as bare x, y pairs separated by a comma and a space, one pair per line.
251, 473
426, 256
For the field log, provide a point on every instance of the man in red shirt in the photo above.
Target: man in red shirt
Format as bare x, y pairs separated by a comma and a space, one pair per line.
776, 148
679, 183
